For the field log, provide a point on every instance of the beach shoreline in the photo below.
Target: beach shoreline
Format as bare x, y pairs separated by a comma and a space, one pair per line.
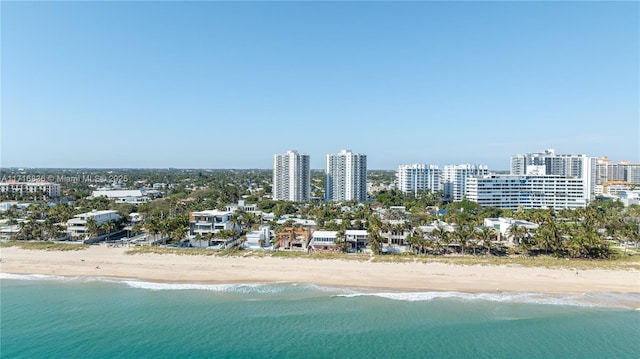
106, 261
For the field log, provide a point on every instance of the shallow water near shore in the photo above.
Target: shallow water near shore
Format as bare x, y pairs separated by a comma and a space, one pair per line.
60, 317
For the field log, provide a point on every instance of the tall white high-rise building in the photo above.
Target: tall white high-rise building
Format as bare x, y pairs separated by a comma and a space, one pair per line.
454, 179
548, 163
346, 176
291, 177
530, 162
622, 171
418, 177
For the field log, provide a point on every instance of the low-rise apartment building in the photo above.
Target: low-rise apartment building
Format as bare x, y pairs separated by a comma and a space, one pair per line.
77, 226
49, 188
134, 196
527, 192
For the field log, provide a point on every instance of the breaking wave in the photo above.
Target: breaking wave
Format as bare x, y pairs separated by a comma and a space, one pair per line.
591, 299
599, 299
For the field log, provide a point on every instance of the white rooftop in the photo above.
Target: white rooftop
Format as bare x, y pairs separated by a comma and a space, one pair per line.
117, 193
211, 212
325, 234
96, 213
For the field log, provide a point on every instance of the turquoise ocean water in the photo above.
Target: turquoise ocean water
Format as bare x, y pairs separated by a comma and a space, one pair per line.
54, 317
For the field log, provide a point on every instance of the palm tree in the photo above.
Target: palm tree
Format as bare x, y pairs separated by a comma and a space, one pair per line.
250, 220
109, 226
485, 234
525, 242
13, 216
544, 238
49, 228
24, 233
165, 229
93, 228
198, 239
209, 238
342, 244
421, 241
374, 222
235, 221
442, 238
463, 234
414, 242
516, 232
375, 241
153, 227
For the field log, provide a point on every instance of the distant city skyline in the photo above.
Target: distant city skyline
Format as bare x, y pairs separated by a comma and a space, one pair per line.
230, 84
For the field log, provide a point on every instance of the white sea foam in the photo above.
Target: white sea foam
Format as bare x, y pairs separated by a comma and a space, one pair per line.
599, 299
584, 300
31, 276
241, 288
229, 288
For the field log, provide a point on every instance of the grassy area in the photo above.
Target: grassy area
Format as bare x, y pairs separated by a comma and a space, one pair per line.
45, 245
165, 250
620, 262
244, 253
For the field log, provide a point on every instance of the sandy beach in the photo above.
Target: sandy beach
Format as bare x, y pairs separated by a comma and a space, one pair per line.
113, 262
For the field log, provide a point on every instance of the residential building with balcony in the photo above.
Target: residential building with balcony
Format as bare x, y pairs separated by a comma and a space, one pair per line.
346, 176
357, 238
48, 188
323, 241
527, 192
291, 177
293, 238
259, 239
77, 226
521, 164
454, 179
210, 221
418, 177
551, 164
623, 171
242, 206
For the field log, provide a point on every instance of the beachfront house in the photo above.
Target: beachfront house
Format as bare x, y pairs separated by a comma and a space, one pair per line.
356, 238
323, 241
210, 221
503, 225
257, 240
78, 226
396, 235
205, 228
293, 238
9, 230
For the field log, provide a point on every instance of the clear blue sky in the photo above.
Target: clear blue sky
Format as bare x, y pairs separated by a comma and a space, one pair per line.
229, 84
